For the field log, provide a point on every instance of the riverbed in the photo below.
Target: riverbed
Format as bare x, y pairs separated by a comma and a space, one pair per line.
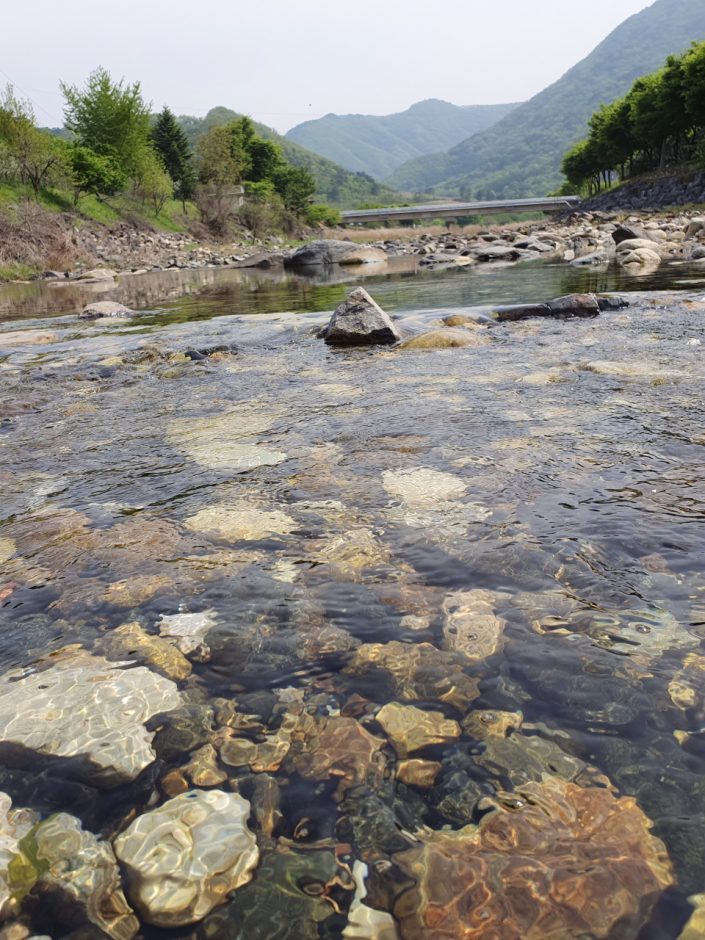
436, 615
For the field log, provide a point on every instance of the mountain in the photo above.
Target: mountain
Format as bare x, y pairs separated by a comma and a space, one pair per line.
336, 186
521, 155
377, 145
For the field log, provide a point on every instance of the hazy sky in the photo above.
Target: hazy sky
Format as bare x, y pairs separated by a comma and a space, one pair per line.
284, 62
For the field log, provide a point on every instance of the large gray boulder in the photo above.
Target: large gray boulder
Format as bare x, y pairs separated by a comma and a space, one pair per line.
330, 251
360, 321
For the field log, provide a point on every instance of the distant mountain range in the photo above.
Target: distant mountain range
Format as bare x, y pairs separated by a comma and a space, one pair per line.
378, 145
336, 186
521, 154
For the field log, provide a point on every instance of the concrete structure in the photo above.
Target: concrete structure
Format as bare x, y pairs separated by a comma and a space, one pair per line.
456, 210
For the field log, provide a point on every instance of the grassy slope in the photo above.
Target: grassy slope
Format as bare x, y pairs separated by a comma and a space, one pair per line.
378, 145
521, 155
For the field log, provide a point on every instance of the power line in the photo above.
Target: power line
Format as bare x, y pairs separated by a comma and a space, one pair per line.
39, 107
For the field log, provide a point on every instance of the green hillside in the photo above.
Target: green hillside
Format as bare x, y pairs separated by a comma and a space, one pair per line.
378, 145
336, 186
521, 155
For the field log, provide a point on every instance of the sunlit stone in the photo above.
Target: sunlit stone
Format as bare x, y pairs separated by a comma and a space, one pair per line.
422, 487
227, 442
471, 625
7, 550
411, 729
85, 709
240, 522
185, 857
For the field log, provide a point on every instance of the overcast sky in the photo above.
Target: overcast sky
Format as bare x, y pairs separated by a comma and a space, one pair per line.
284, 62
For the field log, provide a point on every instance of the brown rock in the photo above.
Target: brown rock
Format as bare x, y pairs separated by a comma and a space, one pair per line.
130, 642
564, 862
411, 729
471, 625
418, 773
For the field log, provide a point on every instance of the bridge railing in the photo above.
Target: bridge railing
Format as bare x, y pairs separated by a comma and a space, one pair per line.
451, 210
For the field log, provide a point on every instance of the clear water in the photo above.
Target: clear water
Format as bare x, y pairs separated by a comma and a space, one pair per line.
576, 448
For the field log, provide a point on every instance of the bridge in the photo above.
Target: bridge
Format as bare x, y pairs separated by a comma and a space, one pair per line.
457, 210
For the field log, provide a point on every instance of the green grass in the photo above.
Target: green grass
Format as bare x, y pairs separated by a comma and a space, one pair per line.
106, 211
15, 271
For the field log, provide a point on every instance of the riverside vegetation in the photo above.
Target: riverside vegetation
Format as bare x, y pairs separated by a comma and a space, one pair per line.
114, 162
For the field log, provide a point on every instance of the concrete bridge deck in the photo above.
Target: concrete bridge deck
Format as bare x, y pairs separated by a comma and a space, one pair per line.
455, 210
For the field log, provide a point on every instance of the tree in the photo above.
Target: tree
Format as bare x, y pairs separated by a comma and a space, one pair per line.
109, 117
38, 157
173, 149
91, 173
296, 186
151, 181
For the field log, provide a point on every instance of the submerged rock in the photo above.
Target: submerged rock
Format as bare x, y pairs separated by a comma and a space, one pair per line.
188, 631
360, 321
240, 522
105, 308
336, 747
422, 488
543, 867
76, 876
412, 729
446, 339
572, 305
131, 643
365, 923
417, 671
7, 550
288, 899
185, 857
85, 710
227, 441
471, 625
14, 826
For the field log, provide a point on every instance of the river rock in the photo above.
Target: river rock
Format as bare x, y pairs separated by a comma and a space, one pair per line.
105, 308
85, 710
76, 875
360, 321
188, 631
633, 244
240, 522
131, 643
575, 305
417, 671
185, 857
423, 487
484, 881
366, 923
7, 550
330, 251
630, 232
445, 339
418, 773
412, 729
471, 625
594, 259
638, 258
14, 826
98, 274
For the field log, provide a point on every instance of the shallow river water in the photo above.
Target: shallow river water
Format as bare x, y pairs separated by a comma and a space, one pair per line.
436, 615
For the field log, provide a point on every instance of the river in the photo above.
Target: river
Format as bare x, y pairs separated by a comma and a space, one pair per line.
508, 538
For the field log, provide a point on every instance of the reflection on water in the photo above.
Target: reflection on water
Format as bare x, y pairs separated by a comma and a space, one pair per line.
437, 615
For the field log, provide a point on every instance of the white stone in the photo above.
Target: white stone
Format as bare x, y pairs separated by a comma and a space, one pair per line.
421, 487
187, 630
85, 709
185, 857
365, 923
240, 522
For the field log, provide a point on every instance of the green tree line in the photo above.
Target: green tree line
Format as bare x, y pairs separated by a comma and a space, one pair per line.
659, 122
113, 145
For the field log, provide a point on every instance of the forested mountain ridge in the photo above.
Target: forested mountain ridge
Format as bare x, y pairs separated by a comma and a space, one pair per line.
379, 144
521, 155
335, 185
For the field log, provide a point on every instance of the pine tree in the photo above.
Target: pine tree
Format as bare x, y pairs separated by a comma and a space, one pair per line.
172, 146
